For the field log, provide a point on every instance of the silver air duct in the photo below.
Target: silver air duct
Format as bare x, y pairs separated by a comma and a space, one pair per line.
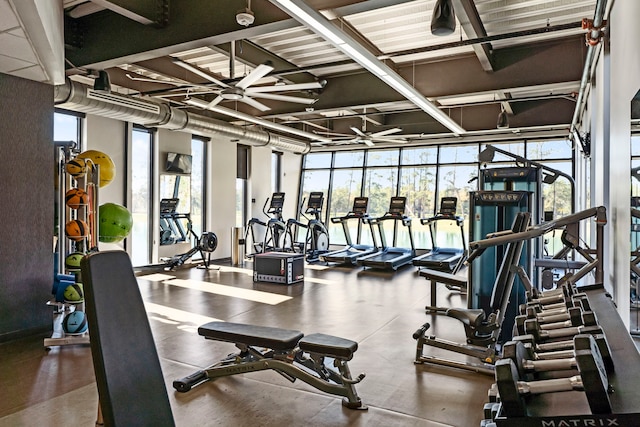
75, 96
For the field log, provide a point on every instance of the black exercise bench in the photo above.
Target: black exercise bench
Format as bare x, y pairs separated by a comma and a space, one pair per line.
288, 352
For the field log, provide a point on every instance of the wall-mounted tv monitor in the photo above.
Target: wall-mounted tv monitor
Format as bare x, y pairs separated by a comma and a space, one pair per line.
179, 163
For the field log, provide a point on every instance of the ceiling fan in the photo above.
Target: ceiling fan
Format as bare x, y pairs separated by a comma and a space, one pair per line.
244, 91
368, 138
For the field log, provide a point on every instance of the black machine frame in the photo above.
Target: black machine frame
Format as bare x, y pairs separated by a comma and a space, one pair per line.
390, 257
449, 260
352, 251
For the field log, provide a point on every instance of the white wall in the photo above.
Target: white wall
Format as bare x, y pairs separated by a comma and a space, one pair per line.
617, 81
290, 183
221, 197
259, 180
108, 135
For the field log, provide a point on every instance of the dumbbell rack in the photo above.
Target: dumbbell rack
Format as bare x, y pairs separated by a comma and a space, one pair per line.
90, 183
571, 408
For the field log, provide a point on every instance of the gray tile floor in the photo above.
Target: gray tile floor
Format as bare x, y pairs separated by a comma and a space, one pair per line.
379, 310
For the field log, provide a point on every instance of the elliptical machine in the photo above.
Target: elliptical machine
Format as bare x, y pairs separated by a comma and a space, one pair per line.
316, 240
274, 229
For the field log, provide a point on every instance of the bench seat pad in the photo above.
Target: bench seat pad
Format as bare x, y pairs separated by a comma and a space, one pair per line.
328, 345
252, 335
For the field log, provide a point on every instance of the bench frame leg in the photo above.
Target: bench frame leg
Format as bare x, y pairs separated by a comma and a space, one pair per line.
252, 359
485, 354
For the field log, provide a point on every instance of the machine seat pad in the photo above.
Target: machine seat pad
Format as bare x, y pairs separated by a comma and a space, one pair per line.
471, 317
328, 345
252, 335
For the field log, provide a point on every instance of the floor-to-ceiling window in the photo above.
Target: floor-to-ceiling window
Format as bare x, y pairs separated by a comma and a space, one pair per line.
346, 184
67, 126
425, 175
418, 183
141, 195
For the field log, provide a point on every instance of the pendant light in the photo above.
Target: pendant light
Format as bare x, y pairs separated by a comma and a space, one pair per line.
443, 19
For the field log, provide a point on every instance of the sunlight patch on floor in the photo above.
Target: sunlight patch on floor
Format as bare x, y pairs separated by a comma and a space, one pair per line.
156, 277
170, 315
230, 291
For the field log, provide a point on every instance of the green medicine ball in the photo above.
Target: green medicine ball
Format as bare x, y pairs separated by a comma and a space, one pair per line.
72, 261
74, 293
115, 222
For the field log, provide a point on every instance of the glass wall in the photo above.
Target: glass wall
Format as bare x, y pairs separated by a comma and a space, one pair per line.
424, 175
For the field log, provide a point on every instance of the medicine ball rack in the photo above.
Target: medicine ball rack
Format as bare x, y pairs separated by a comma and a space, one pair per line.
63, 246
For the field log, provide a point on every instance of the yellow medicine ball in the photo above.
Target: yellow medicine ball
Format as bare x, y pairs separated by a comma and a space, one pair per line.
107, 167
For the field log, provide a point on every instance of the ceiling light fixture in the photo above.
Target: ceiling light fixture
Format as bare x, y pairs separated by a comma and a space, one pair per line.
443, 19
249, 118
316, 22
102, 83
245, 16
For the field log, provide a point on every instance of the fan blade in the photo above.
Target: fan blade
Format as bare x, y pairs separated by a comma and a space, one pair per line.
164, 82
284, 88
255, 104
335, 134
198, 71
358, 131
284, 98
385, 132
259, 72
368, 142
215, 101
399, 140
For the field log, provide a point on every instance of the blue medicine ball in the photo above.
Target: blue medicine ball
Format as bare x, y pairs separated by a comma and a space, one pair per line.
75, 323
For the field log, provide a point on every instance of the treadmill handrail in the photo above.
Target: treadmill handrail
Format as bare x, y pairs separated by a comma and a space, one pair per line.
439, 217
349, 215
387, 216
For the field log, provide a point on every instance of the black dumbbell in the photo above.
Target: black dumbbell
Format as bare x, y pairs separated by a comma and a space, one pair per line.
577, 318
579, 301
553, 331
592, 379
530, 363
559, 295
556, 302
535, 293
564, 349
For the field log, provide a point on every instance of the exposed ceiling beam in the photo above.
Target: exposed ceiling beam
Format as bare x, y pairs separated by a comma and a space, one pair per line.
473, 27
146, 12
320, 25
111, 39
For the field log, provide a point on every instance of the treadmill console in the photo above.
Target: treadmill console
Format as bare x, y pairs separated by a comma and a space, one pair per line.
360, 205
448, 206
397, 205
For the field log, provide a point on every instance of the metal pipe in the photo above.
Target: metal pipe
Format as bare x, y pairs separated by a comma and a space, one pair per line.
538, 230
586, 72
74, 96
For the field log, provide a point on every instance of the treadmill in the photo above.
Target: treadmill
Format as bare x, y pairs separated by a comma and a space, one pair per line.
390, 258
448, 260
349, 254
